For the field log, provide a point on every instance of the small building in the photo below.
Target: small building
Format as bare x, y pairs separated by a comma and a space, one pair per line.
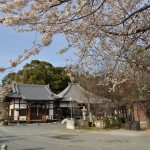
75, 97
140, 109
29, 102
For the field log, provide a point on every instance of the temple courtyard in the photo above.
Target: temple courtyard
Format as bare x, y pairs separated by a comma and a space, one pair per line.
56, 137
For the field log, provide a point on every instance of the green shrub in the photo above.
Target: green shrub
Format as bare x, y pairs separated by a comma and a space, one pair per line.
4, 122
111, 122
106, 120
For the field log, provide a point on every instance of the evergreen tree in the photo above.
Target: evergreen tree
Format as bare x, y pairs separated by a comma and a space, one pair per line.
40, 72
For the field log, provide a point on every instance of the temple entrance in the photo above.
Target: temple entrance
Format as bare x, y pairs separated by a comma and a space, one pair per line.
36, 113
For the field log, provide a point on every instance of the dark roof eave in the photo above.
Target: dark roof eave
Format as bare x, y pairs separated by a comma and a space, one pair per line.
39, 99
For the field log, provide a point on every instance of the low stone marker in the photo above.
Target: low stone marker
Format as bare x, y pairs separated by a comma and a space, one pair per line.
4, 147
70, 124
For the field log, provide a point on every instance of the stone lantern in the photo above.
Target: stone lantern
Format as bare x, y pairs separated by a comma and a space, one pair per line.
84, 110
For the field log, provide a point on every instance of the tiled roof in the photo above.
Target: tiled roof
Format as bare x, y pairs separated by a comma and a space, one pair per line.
32, 92
74, 92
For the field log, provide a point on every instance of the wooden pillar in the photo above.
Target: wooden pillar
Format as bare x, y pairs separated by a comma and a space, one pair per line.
19, 112
44, 115
14, 109
9, 110
29, 112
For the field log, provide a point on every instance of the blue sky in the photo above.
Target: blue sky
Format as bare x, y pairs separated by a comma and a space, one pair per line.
12, 44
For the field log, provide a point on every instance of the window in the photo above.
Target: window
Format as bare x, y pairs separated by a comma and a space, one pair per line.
22, 112
47, 112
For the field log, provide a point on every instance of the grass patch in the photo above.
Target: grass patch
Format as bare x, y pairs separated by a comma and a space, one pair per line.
92, 129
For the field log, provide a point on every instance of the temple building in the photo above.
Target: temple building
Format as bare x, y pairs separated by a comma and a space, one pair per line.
29, 102
37, 103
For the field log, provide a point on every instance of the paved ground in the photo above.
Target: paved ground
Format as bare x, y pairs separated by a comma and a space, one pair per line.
56, 137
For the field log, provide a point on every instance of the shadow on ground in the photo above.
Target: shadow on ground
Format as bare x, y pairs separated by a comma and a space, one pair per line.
33, 148
63, 137
4, 139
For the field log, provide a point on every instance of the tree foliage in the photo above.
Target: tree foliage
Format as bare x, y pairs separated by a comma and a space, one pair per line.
40, 72
98, 29
4, 106
134, 90
110, 36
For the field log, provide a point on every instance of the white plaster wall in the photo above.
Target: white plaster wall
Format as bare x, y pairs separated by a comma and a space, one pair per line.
23, 106
9, 112
16, 106
51, 113
63, 104
22, 118
16, 114
11, 106
51, 105
47, 106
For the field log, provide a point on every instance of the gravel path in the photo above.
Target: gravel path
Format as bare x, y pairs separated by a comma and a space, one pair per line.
57, 137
